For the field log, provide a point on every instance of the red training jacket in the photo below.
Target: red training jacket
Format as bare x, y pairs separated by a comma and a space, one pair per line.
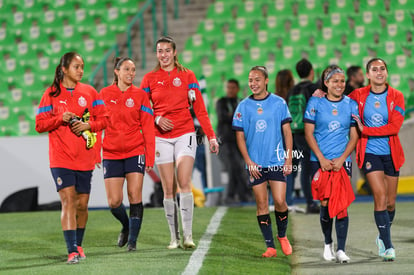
168, 92
131, 131
336, 187
66, 150
396, 111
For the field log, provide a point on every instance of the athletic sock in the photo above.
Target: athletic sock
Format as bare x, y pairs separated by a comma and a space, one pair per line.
326, 224
176, 223
187, 209
341, 226
383, 224
136, 212
121, 215
391, 215
79, 235
265, 224
281, 222
169, 209
70, 238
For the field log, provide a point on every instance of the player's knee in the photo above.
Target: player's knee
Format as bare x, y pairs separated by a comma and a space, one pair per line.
114, 202
391, 206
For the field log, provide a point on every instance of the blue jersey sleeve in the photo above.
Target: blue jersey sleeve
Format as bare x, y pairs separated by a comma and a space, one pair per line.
354, 111
310, 112
286, 117
238, 124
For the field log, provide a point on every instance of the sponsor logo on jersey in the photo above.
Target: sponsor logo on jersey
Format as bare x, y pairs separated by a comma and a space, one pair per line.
377, 104
333, 125
260, 110
82, 101
238, 116
377, 119
129, 103
392, 105
161, 82
113, 101
335, 112
177, 82
63, 102
261, 125
316, 176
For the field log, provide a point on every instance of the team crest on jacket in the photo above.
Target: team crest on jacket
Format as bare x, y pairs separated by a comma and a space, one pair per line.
129, 103
177, 82
82, 101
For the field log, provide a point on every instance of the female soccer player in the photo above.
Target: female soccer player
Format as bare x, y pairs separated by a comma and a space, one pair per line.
128, 148
172, 89
331, 136
64, 112
262, 125
379, 151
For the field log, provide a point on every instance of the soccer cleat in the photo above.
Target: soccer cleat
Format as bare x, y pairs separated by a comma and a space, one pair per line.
174, 244
131, 247
389, 255
285, 244
81, 253
270, 252
90, 138
328, 252
381, 246
123, 238
188, 242
341, 257
73, 258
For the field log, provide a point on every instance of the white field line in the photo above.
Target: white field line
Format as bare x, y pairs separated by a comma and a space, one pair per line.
197, 258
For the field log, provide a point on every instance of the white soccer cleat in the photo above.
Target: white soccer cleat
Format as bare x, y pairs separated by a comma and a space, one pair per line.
328, 252
341, 257
174, 244
188, 242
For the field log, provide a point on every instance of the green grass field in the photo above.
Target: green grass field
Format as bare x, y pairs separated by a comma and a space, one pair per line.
32, 243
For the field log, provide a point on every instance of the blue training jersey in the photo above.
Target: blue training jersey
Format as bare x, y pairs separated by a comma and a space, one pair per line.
332, 120
261, 121
375, 115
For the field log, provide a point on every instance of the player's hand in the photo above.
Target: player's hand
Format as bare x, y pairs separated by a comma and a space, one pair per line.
359, 123
67, 116
214, 146
337, 164
148, 169
254, 169
326, 164
78, 127
287, 167
165, 124
98, 165
318, 93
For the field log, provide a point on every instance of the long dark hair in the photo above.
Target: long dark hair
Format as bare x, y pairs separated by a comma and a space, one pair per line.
284, 82
168, 39
64, 62
117, 66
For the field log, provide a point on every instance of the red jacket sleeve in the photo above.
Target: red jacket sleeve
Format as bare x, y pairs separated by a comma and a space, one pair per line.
147, 123
99, 113
199, 107
395, 119
47, 118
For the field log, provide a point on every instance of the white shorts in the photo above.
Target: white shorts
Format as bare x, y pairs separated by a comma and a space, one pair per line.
168, 150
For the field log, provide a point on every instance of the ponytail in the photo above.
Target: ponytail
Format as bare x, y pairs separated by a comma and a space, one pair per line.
59, 75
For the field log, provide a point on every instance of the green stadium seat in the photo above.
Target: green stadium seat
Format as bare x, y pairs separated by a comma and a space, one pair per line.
280, 8
341, 6
375, 6
222, 9
311, 7
399, 17
249, 9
